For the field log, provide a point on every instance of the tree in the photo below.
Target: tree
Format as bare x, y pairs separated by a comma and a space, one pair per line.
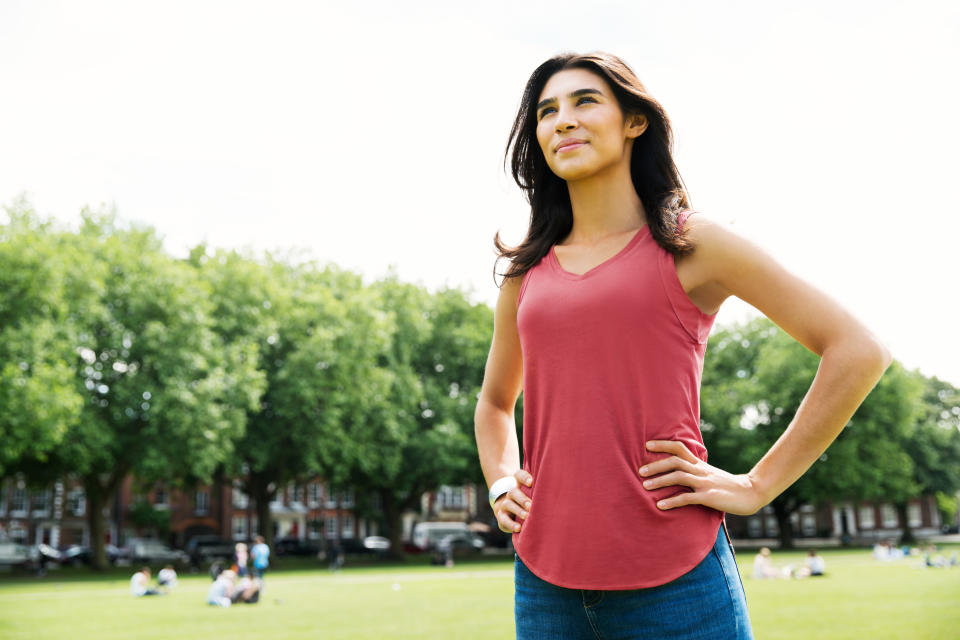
933, 445
318, 333
755, 377
163, 397
38, 401
419, 434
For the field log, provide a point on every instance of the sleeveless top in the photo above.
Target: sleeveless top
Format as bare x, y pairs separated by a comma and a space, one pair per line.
612, 358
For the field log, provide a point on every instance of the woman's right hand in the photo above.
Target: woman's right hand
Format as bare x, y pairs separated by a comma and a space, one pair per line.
514, 505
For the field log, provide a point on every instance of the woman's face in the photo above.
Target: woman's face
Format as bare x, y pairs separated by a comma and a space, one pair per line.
580, 126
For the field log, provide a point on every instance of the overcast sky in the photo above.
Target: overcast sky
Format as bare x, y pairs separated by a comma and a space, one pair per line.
371, 134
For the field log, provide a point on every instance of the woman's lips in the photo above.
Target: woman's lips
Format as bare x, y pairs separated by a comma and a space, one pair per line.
570, 145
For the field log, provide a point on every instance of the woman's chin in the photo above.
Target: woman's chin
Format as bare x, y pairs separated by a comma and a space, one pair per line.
574, 173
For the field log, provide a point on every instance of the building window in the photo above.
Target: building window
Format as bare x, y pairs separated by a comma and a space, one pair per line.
754, 527
346, 498
452, 497
331, 499
808, 524
41, 502
239, 527
202, 503
18, 503
347, 526
773, 529
298, 494
889, 515
17, 533
313, 493
77, 501
160, 497
866, 516
332, 527
914, 515
314, 529
240, 499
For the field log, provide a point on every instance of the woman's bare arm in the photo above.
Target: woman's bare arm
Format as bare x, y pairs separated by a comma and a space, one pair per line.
852, 362
494, 424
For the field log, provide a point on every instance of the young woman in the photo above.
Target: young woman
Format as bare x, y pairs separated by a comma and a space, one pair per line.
602, 321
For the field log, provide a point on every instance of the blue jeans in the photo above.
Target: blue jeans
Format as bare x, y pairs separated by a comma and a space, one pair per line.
705, 603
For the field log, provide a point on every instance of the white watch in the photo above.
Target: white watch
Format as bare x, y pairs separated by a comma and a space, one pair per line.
500, 487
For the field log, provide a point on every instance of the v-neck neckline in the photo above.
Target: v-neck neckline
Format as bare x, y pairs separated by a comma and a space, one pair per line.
642, 231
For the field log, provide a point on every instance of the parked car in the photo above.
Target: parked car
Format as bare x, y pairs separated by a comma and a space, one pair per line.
154, 551
205, 549
295, 547
376, 543
426, 535
76, 554
16, 556
461, 544
45, 553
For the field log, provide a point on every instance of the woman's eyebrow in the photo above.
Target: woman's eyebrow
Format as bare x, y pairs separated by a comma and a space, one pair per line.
575, 94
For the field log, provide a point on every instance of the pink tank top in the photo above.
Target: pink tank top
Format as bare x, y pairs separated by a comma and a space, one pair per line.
611, 358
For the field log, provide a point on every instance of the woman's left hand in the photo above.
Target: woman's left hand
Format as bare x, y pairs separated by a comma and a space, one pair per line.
712, 487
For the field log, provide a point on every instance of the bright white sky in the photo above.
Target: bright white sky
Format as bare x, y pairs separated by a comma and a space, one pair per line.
371, 133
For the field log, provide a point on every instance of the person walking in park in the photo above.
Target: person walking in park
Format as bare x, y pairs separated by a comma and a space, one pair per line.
240, 558
260, 553
602, 321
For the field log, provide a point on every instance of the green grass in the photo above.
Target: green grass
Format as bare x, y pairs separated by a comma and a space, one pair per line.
859, 598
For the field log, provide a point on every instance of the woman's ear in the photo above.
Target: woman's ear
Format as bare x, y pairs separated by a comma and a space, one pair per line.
636, 125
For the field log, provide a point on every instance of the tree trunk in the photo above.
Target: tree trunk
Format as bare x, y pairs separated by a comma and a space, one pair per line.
907, 537
95, 503
393, 515
782, 510
261, 495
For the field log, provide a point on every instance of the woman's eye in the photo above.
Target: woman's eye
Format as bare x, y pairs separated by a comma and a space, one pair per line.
545, 111
583, 99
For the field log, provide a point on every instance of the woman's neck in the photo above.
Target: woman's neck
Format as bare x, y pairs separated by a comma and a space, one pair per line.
604, 204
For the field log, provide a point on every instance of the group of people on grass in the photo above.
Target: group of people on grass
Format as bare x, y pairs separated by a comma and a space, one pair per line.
238, 584
140, 582
231, 585
884, 551
813, 566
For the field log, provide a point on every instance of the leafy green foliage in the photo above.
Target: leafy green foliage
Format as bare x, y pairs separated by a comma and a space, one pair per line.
901, 442
38, 401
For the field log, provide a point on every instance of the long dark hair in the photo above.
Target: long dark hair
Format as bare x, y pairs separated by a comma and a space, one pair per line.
654, 174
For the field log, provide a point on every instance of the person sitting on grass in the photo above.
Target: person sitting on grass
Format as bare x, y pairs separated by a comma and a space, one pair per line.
763, 567
167, 578
247, 592
814, 565
221, 591
140, 584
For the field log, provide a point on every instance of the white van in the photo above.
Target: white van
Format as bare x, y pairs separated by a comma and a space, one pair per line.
426, 535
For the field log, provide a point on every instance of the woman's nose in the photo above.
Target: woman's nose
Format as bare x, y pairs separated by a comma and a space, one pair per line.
565, 120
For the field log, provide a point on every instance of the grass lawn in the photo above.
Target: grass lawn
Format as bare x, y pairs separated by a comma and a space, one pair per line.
859, 598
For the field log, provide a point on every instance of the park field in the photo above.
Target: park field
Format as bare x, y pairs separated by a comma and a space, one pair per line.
859, 598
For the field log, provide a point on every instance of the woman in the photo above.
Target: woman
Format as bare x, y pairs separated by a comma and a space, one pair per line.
602, 321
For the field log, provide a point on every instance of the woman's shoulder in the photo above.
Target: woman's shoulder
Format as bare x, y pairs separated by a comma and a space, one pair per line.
713, 238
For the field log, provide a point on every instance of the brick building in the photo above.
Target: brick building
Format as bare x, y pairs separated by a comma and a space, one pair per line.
863, 521
57, 514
